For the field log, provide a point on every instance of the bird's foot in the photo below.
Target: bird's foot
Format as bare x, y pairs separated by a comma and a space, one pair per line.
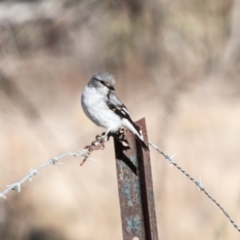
122, 133
120, 136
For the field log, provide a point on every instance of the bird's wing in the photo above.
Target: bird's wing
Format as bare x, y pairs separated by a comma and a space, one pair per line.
119, 108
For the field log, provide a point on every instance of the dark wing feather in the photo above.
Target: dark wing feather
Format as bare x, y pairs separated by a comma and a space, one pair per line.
120, 109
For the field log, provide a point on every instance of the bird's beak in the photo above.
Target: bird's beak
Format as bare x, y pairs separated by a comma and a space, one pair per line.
111, 88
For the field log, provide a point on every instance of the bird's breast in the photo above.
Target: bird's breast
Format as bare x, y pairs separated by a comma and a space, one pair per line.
95, 107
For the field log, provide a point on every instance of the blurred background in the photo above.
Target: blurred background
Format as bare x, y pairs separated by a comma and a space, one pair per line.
176, 63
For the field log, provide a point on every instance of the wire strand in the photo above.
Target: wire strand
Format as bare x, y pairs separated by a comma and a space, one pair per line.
98, 144
33, 172
197, 183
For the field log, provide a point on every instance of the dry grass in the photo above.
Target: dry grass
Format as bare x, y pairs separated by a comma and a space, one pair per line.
178, 62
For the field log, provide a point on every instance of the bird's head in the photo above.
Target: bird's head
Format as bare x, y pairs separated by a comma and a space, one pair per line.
103, 80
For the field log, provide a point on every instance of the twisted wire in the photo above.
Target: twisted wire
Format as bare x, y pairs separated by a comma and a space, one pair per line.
197, 183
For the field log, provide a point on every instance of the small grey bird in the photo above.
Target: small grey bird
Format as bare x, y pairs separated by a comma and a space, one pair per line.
102, 106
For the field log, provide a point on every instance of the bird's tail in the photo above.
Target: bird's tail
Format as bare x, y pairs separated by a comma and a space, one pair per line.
135, 129
143, 144
139, 137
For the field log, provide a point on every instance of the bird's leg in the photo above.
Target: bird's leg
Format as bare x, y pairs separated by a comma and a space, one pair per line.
106, 136
120, 136
121, 133
110, 134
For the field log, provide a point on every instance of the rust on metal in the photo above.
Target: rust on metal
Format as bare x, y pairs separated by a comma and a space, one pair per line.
135, 188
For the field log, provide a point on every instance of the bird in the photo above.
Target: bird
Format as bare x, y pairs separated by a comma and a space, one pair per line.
102, 106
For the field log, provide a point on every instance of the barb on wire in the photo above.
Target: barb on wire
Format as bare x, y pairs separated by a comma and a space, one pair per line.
197, 183
97, 144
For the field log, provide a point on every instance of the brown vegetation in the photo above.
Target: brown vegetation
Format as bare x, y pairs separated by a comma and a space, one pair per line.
176, 64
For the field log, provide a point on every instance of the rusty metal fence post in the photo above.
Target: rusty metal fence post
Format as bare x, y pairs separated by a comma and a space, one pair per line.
135, 188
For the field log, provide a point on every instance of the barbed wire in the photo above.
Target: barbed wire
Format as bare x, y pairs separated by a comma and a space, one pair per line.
99, 144
33, 172
197, 183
